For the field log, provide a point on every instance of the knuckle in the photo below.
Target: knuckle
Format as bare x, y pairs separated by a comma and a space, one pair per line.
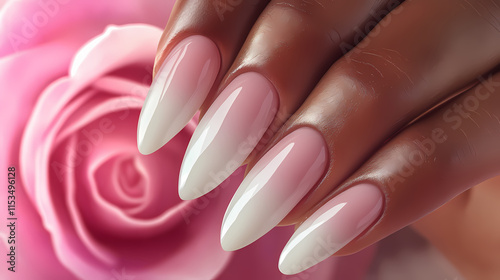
383, 74
383, 64
306, 18
301, 7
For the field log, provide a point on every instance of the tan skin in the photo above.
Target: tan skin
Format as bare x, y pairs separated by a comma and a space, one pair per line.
365, 101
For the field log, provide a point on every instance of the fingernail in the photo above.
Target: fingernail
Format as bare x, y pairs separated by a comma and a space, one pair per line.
331, 227
227, 134
279, 180
177, 92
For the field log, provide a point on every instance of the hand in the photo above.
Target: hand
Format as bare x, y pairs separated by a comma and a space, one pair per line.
343, 137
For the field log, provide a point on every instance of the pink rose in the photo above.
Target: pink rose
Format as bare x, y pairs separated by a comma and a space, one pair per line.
88, 205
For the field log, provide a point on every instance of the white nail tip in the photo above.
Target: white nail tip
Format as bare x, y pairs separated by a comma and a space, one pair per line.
240, 219
227, 134
200, 176
331, 227
177, 92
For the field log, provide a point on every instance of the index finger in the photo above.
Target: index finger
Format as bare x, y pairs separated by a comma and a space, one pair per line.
198, 45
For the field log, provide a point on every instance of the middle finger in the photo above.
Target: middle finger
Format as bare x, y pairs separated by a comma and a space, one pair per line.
287, 51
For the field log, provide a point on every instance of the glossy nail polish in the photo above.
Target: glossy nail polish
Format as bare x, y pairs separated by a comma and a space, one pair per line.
331, 227
177, 92
227, 134
279, 180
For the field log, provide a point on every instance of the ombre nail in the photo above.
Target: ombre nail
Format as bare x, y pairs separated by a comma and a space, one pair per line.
177, 92
331, 227
274, 186
227, 134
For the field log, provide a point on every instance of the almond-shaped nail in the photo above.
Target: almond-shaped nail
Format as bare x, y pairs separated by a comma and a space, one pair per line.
274, 186
331, 227
177, 92
227, 134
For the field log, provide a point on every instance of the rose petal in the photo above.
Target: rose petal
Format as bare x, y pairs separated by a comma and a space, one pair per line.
18, 98
162, 180
29, 23
180, 244
59, 94
88, 62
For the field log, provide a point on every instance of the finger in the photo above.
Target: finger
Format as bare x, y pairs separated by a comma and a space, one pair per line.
403, 68
357, 106
423, 167
289, 48
198, 45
